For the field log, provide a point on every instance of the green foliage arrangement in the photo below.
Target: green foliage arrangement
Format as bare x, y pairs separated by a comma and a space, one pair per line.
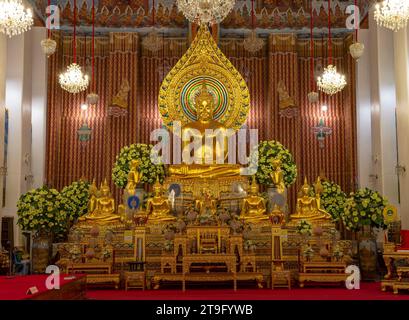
40, 210
364, 208
333, 199
74, 199
304, 228
268, 150
141, 152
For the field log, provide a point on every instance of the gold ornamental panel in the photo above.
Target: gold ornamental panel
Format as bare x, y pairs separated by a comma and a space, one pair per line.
204, 63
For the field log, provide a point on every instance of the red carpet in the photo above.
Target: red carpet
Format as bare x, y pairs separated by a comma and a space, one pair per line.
15, 288
368, 291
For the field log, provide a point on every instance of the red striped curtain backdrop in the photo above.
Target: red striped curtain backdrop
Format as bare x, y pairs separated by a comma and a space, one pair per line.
120, 56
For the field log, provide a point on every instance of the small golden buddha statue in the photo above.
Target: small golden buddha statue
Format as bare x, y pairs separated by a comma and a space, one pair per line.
254, 206
208, 160
308, 207
158, 207
104, 210
284, 99
277, 176
134, 177
206, 202
93, 195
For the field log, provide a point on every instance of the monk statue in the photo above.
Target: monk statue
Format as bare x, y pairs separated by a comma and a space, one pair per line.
309, 207
254, 206
134, 177
158, 207
206, 203
284, 99
208, 158
103, 207
277, 176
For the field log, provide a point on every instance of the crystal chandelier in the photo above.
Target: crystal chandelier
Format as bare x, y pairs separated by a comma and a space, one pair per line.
14, 18
206, 11
73, 80
331, 81
392, 14
356, 50
49, 46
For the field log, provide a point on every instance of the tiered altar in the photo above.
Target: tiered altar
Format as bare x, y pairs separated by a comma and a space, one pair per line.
207, 222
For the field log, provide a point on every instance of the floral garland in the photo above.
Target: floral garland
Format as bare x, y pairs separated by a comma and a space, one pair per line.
74, 199
141, 152
268, 150
333, 199
40, 209
364, 208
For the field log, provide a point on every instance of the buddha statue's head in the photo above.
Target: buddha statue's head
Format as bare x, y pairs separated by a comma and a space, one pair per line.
157, 188
204, 104
254, 186
93, 190
305, 189
276, 162
134, 164
105, 190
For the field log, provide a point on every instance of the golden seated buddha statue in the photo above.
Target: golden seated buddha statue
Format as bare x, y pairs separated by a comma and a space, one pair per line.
254, 206
309, 207
206, 203
158, 207
208, 159
101, 205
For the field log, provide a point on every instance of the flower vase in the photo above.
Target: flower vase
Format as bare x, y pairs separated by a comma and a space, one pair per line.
41, 247
367, 253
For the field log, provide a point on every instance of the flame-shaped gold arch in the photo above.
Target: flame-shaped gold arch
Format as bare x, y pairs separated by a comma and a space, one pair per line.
204, 62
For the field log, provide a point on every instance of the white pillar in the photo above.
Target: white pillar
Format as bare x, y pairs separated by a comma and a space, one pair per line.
25, 92
383, 124
3, 63
401, 43
363, 106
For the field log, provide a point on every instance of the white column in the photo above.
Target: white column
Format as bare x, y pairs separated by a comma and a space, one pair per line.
363, 110
25, 98
401, 43
383, 124
3, 63
38, 107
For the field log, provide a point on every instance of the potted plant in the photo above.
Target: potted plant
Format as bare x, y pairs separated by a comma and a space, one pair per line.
363, 212
39, 210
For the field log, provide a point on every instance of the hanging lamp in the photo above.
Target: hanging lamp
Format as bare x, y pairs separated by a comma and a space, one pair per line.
92, 98
73, 80
252, 43
48, 45
330, 82
14, 17
152, 42
356, 49
312, 95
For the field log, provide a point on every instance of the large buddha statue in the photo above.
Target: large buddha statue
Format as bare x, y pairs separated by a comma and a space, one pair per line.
158, 207
101, 205
254, 206
309, 207
209, 158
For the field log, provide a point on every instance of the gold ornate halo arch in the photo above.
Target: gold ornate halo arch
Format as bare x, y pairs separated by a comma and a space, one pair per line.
204, 62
